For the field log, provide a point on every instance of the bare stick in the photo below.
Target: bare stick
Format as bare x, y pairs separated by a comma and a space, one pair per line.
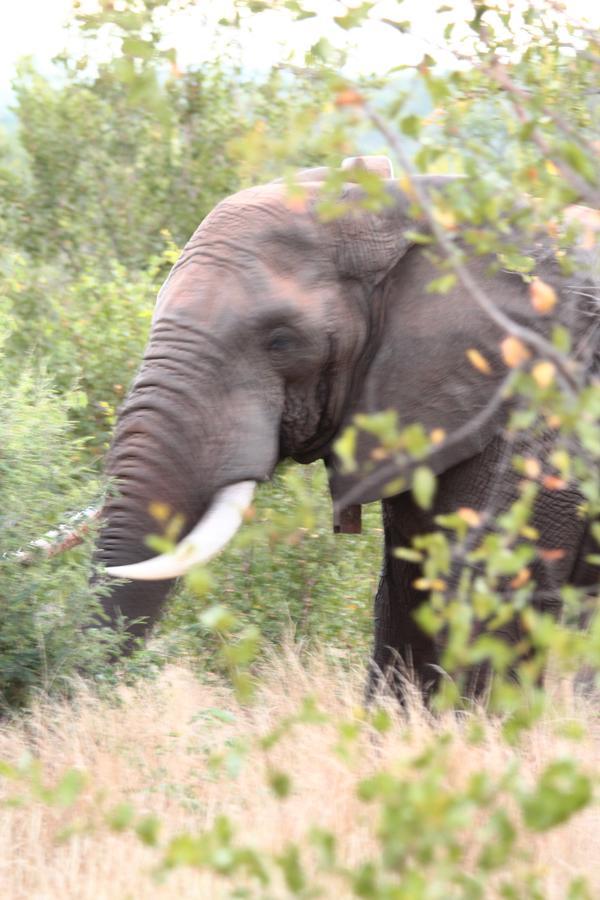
53, 543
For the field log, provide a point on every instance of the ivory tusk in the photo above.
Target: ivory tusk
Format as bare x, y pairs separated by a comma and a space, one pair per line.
214, 530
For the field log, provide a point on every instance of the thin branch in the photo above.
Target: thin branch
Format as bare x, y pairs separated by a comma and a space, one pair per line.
500, 75
481, 66
389, 471
527, 335
58, 541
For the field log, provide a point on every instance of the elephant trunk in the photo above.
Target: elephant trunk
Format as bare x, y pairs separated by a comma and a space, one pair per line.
214, 530
184, 447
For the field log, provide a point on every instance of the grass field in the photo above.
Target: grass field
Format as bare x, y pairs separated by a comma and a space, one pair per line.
152, 748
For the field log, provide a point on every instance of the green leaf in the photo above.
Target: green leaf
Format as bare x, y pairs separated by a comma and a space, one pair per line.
120, 817
423, 486
138, 48
411, 125
345, 448
441, 285
291, 866
213, 712
218, 618
417, 238
200, 581
280, 783
579, 161
147, 829
68, 788
354, 16
381, 720
408, 554
561, 791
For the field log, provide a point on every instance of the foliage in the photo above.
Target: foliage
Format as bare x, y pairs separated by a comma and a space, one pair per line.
287, 570
112, 167
45, 605
121, 161
399, 806
88, 328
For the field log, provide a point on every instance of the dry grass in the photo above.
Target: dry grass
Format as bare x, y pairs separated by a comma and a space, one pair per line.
151, 749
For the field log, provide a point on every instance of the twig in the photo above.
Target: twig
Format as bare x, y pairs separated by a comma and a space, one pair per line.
498, 72
558, 120
58, 541
390, 470
527, 335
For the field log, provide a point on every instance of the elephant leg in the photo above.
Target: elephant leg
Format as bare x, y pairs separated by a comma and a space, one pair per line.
585, 575
487, 483
402, 652
135, 613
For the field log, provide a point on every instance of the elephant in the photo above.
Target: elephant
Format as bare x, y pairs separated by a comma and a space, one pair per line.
273, 330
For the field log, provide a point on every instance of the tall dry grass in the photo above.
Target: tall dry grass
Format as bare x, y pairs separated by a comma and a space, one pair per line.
151, 748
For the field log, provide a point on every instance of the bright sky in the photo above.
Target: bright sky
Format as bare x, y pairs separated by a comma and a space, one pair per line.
35, 27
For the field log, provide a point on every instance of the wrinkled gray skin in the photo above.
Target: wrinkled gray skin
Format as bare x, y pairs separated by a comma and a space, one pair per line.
271, 332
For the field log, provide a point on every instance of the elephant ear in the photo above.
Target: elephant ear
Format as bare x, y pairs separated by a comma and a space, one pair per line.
315, 174
380, 165
367, 245
418, 368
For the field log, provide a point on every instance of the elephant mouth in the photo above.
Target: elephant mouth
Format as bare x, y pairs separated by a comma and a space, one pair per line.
212, 532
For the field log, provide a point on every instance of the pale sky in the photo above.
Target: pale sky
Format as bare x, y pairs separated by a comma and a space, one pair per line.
35, 27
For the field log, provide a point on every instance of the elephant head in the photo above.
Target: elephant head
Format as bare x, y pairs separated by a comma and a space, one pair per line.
272, 330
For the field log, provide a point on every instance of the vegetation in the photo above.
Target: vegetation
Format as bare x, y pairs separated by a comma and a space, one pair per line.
178, 790
113, 165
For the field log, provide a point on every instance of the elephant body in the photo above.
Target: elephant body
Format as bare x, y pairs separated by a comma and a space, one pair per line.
486, 481
274, 329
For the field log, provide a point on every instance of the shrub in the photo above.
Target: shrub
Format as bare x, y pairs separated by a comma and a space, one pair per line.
46, 603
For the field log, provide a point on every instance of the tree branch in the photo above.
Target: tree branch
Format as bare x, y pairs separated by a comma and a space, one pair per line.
499, 74
58, 541
391, 470
527, 335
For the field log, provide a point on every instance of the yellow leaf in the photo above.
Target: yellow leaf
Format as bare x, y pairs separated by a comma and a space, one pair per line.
379, 453
297, 201
543, 296
588, 241
514, 352
429, 584
521, 579
551, 168
552, 554
478, 361
437, 436
532, 467
543, 373
405, 185
159, 511
348, 97
553, 483
249, 514
470, 516
445, 218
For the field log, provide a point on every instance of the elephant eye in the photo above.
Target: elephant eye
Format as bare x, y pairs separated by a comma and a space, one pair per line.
281, 339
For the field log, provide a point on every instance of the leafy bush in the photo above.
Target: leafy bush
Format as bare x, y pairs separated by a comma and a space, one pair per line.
88, 328
115, 159
287, 571
45, 604
119, 158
